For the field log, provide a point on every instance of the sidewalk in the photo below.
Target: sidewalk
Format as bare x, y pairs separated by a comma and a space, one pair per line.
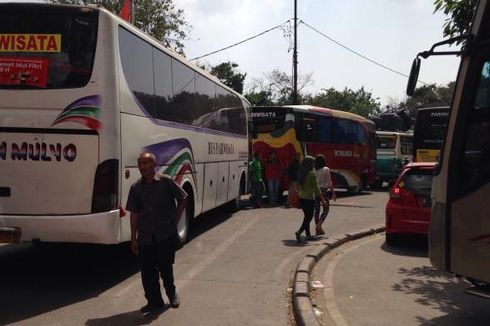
301, 300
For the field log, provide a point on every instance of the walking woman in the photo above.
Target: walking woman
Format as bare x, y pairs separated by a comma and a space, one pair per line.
309, 190
324, 179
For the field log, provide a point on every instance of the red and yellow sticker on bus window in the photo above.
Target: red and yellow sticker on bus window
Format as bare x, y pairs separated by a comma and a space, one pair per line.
24, 71
30, 43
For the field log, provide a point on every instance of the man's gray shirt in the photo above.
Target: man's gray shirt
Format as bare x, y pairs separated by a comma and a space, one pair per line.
155, 205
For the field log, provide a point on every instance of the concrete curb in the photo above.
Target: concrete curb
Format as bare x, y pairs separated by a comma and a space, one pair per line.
301, 301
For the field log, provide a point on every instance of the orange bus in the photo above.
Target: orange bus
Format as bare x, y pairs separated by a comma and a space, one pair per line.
347, 140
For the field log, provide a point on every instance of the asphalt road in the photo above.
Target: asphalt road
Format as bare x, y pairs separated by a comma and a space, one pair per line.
369, 283
236, 270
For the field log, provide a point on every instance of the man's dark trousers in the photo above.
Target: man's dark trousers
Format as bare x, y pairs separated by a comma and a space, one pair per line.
157, 258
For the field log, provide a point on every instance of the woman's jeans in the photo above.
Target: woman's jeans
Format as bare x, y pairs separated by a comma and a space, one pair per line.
308, 207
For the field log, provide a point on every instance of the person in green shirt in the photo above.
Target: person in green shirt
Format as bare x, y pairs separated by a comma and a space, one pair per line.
256, 170
308, 191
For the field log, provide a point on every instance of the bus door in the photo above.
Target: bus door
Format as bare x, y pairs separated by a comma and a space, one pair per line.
308, 135
468, 182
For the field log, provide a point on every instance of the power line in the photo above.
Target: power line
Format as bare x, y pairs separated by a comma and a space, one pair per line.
357, 53
238, 43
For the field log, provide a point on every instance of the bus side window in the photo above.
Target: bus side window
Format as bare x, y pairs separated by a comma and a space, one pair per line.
308, 130
322, 130
360, 134
476, 151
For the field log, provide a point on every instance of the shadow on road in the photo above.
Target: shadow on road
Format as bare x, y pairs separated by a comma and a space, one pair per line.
131, 318
38, 279
209, 220
35, 279
443, 292
409, 245
303, 243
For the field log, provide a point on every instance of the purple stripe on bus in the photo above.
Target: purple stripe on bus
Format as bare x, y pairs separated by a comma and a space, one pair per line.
164, 151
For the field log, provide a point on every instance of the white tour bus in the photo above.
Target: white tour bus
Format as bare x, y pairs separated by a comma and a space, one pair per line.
459, 239
82, 94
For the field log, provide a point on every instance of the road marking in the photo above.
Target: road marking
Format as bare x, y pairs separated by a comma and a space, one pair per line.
329, 293
135, 282
209, 259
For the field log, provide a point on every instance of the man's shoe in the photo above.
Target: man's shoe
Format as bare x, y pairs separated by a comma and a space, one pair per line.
152, 307
175, 301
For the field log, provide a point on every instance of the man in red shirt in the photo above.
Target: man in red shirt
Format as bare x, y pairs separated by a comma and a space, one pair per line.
273, 173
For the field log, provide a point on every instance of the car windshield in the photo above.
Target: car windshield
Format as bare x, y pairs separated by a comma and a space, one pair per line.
417, 180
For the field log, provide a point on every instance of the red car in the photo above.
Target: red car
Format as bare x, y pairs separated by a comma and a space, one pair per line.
408, 209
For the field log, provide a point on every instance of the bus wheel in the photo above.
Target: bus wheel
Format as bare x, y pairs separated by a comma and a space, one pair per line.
187, 216
234, 205
354, 190
377, 184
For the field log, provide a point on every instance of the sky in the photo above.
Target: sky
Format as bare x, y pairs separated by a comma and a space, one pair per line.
390, 32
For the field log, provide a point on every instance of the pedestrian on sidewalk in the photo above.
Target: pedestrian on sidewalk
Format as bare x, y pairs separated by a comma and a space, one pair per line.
256, 170
309, 190
154, 217
293, 188
324, 180
273, 173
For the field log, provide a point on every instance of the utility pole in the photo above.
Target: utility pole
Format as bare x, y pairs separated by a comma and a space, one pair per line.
295, 57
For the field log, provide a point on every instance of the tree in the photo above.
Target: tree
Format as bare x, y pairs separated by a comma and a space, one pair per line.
359, 102
261, 98
460, 13
228, 73
428, 96
279, 86
159, 18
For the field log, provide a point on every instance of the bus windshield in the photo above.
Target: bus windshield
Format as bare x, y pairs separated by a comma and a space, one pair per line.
429, 132
57, 53
385, 141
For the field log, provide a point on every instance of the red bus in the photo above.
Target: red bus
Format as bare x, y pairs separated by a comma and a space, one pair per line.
347, 140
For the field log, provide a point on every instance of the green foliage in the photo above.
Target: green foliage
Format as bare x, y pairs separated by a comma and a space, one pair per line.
429, 96
261, 98
278, 87
159, 18
228, 73
460, 13
359, 102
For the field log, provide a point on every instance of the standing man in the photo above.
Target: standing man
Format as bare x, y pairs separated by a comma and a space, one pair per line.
273, 173
154, 217
256, 170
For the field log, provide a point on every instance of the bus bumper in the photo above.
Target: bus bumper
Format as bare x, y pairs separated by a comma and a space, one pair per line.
101, 228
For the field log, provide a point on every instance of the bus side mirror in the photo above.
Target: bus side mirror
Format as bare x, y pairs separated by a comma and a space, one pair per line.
414, 76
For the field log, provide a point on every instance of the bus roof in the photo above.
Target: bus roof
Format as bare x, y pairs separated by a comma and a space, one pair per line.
321, 110
149, 38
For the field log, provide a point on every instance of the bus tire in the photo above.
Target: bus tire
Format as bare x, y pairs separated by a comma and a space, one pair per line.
377, 184
235, 204
187, 216
354, 190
